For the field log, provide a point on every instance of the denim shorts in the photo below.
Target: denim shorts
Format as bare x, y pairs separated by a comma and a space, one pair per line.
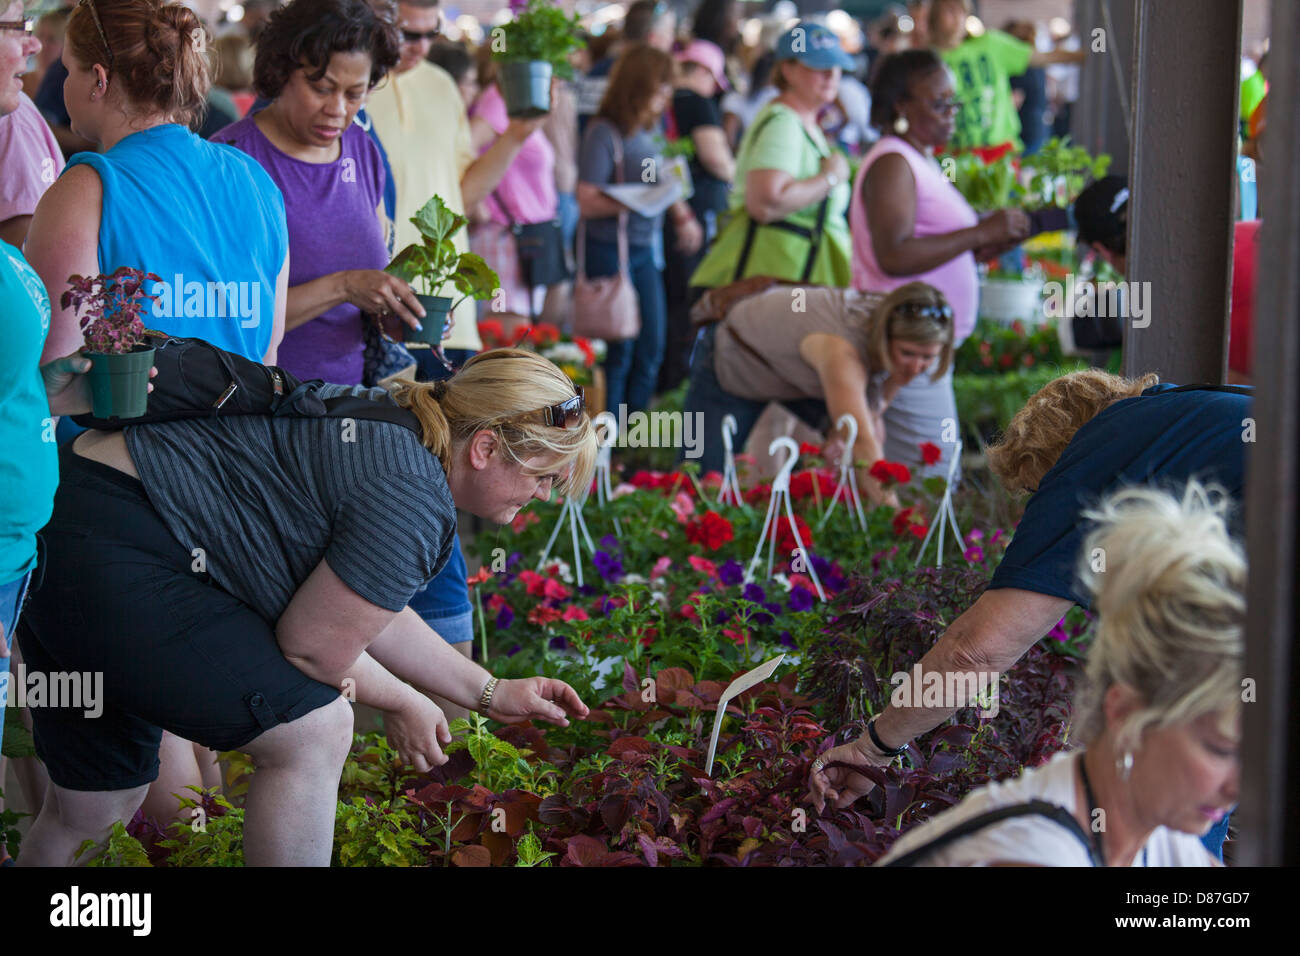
443, 603
11, 602
118, 600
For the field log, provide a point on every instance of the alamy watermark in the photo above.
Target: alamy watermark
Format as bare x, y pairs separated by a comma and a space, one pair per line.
78, 690
1121, 300
683, 430
946, 689
209, 300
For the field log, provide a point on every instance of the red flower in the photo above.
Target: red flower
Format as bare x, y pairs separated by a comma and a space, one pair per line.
920, 530
688, 611
543, 614
483, 575
801, 484
736, 636
522, 520
492, 332
544, 333
710, 530
554, 590
889, 472
759, 493
807, 449
785, 540
533, 581
1005, 361
902, 519
574, 613
930, 452
588, 353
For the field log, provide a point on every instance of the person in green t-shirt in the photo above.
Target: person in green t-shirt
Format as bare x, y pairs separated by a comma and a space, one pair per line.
787, 212
983, 66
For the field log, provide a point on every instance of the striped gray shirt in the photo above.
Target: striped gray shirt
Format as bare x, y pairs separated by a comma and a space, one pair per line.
268, 498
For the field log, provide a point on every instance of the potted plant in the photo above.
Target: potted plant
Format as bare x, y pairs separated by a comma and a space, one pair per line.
435, 262
110, 307
530, 49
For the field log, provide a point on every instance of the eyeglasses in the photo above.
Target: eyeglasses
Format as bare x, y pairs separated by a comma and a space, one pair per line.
90, 5
946, 106
19, 26
413, 36
566, 412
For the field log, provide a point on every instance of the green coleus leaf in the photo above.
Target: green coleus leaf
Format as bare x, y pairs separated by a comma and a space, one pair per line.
435, 221
474, 277
409, 264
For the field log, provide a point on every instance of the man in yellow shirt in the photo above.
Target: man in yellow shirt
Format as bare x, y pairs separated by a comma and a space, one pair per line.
421, 120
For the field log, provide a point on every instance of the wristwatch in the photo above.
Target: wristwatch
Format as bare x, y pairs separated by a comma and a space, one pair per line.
831, 180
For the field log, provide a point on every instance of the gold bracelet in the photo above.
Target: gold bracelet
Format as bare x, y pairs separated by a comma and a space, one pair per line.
485, 698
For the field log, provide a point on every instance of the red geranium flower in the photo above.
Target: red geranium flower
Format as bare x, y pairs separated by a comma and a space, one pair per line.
919, 530
492, 332
554, 590
543, 614
758, 493
533, 581
544, 333
703, 565
737, 636
785, 540
889, 472
710, 530
807, 449
801, 485
588, 353
483, 575
574, 613
930, 452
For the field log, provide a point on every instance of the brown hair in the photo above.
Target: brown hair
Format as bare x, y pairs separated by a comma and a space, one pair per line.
633, 83
1039, 432
503, 391
157, 51
304, 34
486, 64
894, 320
234, 60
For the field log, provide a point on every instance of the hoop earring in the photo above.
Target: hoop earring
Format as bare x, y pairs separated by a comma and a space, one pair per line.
901, 125
1124, 765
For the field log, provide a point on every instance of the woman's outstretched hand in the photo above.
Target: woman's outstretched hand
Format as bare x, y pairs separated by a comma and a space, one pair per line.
840, 785
536, 698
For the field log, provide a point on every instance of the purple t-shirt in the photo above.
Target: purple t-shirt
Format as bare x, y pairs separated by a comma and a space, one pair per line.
333, 226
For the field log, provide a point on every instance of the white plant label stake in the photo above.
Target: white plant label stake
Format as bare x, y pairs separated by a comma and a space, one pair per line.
604, 494
781, 494
848, 483
730, 489
738, 686
946, 514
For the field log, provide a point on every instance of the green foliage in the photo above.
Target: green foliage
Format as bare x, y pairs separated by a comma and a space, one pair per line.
17, 738
208, 838
435, 261
367, 834
499, 765
1059, 171
986, 187
373, 770
530, 853
986, 403
122, 850
994, 348
541, 31
9, 835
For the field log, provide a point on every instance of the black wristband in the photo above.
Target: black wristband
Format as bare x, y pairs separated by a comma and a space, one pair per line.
875, 739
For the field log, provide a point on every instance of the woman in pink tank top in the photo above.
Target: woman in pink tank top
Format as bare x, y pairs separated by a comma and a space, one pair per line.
910, 224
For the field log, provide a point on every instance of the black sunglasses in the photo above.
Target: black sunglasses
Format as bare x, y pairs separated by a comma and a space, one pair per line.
411, 36
568, 411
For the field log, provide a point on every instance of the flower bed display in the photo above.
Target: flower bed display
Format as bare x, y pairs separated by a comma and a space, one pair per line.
663, 621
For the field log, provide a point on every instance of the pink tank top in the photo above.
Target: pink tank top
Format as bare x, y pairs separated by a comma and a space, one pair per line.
940, 208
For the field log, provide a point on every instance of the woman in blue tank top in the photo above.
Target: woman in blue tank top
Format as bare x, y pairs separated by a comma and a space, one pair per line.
205, 218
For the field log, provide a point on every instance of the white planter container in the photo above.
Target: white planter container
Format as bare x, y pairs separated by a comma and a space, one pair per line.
1006, 300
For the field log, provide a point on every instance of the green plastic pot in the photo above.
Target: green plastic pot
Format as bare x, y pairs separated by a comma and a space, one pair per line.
119, 384
526, 87
436, 308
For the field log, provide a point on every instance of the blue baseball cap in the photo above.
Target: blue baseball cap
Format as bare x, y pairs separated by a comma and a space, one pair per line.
814, 46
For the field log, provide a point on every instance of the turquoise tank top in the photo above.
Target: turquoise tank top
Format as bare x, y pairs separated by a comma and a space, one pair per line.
207, 220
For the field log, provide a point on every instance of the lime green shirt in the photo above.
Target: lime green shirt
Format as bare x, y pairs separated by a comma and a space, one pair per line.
777, 139
983, 67
1253, 89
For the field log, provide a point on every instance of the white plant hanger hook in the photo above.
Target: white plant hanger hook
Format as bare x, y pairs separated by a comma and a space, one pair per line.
847, 486
570, 511
947, 515
730, 490
781, 495
604, 466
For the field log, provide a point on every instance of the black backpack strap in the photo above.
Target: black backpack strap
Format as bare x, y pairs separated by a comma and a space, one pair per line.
1233, 389
1033, 808
368, 409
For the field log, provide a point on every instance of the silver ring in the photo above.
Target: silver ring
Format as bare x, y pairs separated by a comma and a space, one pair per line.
818, 766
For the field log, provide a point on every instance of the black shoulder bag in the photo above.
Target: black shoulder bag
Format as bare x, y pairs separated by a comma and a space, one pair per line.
1053, 812
540, 248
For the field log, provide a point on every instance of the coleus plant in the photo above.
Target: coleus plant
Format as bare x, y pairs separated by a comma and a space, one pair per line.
542, 32
110, 308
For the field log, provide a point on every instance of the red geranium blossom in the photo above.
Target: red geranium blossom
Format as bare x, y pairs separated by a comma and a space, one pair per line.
807, 449
492, 332
554, 590
930, 452
533, 581
801, 485
785, 540
710, 530
574, 613
758, 494
543, 614
703, 565
888, 472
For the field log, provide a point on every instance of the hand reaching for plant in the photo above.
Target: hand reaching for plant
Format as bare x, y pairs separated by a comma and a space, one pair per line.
536, 698
377, 292
417, 730
66, 387
841, 785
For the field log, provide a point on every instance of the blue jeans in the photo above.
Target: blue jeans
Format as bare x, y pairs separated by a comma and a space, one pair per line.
11, 602
567, 210
632, 366
443, 603
706, 395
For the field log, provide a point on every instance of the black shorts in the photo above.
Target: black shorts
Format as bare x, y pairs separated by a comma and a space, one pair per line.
118, 596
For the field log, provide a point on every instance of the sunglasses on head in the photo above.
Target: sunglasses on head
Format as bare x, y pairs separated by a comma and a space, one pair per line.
566, 412
925, 310
413, 36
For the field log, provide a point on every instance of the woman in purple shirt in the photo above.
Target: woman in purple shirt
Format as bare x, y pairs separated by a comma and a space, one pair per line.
331, 175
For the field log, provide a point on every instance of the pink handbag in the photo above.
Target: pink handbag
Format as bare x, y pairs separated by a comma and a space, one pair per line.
606, 308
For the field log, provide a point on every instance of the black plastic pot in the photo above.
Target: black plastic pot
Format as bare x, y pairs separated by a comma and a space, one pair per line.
436, 308
119, 384
526, 87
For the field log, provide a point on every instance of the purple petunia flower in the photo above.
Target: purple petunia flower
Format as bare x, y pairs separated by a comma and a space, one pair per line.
609, 567
801, 599
505, 617
610, 543
731, 572
754, 593
558, 643
786, 639
722, 617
